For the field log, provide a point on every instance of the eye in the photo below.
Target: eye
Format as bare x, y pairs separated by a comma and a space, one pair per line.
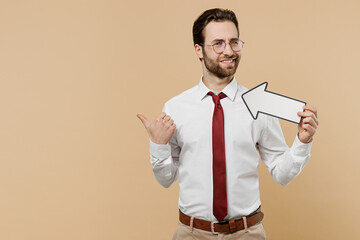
235, 42
217, 44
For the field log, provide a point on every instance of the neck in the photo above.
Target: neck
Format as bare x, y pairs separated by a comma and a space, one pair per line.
214, 83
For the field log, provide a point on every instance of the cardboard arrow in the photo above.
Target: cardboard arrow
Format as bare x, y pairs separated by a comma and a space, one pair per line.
259, 100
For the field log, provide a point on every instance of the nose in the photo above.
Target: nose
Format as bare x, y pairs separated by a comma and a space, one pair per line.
228, 50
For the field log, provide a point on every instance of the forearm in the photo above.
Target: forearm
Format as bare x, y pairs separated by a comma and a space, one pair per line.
165, 166
284, 167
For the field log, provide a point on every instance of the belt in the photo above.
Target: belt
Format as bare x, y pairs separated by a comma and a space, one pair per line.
225, 226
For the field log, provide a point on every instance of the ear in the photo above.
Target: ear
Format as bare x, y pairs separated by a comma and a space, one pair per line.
198, 50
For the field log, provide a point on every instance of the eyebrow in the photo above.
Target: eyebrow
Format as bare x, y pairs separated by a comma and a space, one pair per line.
218, 40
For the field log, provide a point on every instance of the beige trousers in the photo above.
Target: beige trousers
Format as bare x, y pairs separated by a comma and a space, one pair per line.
184, 232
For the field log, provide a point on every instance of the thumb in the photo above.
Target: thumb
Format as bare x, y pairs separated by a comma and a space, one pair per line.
144, 120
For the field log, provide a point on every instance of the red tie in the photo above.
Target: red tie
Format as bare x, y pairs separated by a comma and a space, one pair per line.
219, 165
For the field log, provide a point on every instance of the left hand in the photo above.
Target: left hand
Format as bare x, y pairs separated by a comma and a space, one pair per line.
308, 125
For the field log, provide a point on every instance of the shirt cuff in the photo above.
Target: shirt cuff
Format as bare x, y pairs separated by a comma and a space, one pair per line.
301, 149
160, 151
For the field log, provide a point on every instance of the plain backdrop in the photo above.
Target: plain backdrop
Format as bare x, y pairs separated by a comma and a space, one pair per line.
74, 160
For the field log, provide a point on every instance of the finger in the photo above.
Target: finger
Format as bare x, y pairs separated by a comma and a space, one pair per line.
170, 123
310, 121
161, 116
309, 129
307, 114
166, 118
312, 109
144, 120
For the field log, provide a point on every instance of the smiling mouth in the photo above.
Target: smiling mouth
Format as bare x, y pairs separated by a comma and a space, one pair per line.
228, 61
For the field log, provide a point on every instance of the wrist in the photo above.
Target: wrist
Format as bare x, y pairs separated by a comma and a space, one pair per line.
304, 141
157, 141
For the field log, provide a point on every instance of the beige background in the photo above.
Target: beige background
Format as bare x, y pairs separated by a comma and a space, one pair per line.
74, 161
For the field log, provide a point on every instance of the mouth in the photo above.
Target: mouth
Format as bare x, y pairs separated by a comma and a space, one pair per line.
228, 61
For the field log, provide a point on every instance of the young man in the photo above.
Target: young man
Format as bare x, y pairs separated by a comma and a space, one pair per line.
214, 146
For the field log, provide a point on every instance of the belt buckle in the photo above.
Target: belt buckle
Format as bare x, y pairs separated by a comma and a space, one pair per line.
212, 227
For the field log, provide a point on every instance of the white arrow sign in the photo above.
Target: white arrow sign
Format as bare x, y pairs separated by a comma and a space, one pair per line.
258, 100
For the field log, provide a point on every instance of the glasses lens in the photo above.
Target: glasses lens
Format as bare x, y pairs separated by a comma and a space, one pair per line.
219, 47
236, 45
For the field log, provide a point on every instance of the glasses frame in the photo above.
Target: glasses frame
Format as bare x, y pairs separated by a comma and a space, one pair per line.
212, 45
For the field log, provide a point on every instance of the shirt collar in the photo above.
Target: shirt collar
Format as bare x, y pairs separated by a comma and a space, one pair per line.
230, 89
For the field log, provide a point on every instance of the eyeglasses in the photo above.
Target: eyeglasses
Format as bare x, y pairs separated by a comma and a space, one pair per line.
219, 46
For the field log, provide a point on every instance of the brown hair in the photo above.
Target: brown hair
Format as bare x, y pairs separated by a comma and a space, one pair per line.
215, 14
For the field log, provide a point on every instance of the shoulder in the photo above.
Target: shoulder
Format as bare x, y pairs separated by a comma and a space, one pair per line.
241, 89
187, 95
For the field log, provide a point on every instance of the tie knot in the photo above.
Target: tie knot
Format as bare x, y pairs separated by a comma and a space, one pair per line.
216, 98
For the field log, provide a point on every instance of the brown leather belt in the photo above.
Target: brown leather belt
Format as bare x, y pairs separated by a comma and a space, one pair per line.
223, 227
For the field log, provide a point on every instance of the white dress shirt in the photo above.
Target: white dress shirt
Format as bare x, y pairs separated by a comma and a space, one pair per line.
189, 153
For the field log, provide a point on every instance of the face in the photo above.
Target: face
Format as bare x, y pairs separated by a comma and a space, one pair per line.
223, 64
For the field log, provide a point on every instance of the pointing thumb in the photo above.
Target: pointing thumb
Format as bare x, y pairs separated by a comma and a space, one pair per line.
144, 120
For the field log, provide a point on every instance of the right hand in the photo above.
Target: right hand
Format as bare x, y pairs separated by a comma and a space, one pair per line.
161, 129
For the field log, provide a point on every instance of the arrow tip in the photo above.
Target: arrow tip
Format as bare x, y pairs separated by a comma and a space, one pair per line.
252, 99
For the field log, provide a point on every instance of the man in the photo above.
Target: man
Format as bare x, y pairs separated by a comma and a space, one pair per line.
207, 138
